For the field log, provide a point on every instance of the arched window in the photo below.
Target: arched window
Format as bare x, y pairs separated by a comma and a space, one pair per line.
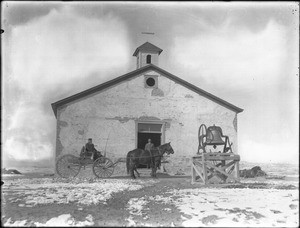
148, 59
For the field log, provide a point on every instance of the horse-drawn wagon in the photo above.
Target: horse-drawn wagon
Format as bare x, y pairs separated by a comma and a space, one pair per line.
69, 165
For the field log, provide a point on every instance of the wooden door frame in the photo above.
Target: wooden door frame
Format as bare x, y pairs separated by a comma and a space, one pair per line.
137, 122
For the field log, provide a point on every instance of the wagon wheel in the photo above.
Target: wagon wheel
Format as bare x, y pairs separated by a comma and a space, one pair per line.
103, 167
68, 166
202, 137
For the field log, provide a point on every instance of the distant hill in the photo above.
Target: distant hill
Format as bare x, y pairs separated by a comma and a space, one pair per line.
10, 171
14, 163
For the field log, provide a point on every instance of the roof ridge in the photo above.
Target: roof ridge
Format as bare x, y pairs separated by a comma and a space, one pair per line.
128, 75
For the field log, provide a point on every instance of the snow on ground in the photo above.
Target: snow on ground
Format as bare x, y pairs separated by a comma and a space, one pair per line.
267, 206
135, 205
47, 190
67, 220
61, 221
228, 207
15, 223
62, 191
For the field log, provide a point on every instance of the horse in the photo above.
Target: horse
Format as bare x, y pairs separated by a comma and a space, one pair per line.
150, 158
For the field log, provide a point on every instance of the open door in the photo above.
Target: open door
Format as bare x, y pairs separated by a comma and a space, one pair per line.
147, 131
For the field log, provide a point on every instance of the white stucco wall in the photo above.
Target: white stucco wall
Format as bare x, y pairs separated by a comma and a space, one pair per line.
142, 56
109, 117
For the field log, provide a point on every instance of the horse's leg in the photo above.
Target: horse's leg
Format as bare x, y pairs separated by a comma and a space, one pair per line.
154, 170
132, 167
164, 169
132, 173
135, 168
156, 164
137, 173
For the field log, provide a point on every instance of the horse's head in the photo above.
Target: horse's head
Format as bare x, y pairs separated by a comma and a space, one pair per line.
167, 148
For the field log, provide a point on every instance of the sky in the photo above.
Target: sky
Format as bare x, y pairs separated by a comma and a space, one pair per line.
245, 53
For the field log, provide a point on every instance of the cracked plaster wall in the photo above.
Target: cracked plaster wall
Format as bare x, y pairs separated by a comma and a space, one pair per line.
109, 117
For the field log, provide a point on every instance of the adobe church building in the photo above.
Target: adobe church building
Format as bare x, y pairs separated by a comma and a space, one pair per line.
149, 102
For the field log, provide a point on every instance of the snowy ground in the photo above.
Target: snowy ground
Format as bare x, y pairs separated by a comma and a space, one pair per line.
86, 192
168, 201
228, 207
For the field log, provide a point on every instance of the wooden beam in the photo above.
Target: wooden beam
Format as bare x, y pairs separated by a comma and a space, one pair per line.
216, 154
222, 158
211, 172
193, 173
230, 170
223, 168
237, 168
218, 157
228, 165
204, 170
206, 167
198, 172
221, 171
198, 163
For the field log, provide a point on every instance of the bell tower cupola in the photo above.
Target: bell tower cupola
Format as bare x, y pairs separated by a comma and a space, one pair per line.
147, 54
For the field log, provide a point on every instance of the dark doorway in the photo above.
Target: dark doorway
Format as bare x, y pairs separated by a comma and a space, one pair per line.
148, 130
143, 140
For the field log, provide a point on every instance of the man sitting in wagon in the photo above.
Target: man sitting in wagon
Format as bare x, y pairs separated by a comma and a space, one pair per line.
89, 151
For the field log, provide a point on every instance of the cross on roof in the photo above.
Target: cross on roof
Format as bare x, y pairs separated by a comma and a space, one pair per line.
147, 33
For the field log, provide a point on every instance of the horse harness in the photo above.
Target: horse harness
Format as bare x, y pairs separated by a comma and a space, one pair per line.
152, 157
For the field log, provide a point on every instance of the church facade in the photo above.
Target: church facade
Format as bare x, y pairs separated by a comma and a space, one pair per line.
149, 102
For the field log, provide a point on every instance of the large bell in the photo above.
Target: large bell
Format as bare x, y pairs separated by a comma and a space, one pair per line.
214, 136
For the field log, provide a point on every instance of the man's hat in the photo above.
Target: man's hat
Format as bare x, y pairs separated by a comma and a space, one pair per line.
90, 139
